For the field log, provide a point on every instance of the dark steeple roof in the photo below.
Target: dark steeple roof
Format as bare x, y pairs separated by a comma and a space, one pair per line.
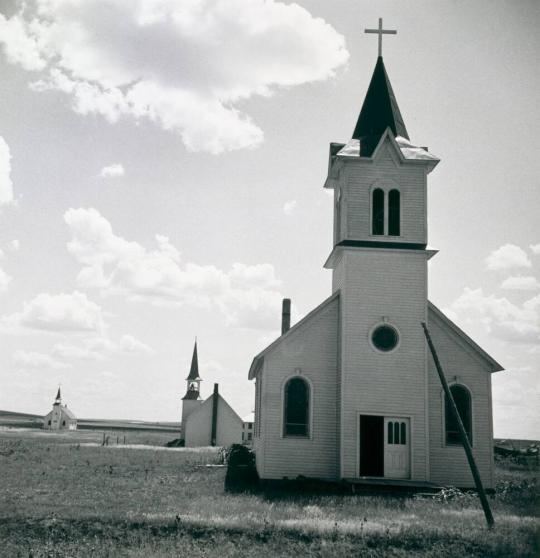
58, 396
194, 370
379, 112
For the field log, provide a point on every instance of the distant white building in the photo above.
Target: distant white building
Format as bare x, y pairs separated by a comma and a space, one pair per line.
211, 422
247, 431
60, 418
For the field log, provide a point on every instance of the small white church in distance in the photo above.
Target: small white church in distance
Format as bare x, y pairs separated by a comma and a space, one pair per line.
209, 422
351, 391
60, 417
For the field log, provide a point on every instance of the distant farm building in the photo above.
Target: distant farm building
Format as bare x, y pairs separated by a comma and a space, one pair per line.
247, 431
211, 422
60, 418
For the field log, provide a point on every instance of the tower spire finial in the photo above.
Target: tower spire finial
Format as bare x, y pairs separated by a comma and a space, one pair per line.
380, 31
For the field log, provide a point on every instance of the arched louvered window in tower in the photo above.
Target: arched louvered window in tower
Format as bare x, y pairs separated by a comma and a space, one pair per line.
377, 212
394, 213
296, 411
462, 398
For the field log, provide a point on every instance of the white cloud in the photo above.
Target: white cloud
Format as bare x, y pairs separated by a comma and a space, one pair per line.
6, 185
20, 43
101, 348
14, 245
289, 207
508, 256
30, 359
59, 312
112, 171
521, 283
182, 65
5, 280
247, 295
500, 317
535, 248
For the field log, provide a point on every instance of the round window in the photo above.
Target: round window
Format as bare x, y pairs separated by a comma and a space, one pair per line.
385, 338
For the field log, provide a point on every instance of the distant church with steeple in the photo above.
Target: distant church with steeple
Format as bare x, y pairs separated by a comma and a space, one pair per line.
60, 418
351, 392
209, 422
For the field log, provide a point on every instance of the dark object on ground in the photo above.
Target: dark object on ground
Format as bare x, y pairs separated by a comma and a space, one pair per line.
241, 472
524, 454
176, 443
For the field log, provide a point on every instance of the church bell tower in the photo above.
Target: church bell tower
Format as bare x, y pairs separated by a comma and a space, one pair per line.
192, 398
379, 262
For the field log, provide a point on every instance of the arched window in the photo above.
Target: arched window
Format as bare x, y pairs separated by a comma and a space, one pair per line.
377, 212
393, 213
462, 398
296, 420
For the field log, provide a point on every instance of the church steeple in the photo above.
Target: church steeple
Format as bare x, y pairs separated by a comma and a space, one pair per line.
58, 399
193, 379
380, 111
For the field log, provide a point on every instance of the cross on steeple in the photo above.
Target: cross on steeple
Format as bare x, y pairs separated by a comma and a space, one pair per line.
380, 31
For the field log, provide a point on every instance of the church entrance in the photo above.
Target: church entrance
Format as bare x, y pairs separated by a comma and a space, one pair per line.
384, 447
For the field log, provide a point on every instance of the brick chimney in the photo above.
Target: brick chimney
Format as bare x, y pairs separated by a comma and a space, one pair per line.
285, 315
213, 435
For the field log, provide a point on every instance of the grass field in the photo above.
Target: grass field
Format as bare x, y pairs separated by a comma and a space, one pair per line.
66, 495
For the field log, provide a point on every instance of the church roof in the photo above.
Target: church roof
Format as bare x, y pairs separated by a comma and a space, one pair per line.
258, 360
68, 413
493, 365
191, 394
379, 112
194, 370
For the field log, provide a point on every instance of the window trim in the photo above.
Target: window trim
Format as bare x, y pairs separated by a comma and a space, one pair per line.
386, 186
384, 212
309, 436
372, 330
443, 415
399, 212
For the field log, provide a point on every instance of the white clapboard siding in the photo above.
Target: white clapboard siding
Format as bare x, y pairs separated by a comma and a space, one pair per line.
357, 180
309, 351
461, 364
199, 425
380, 285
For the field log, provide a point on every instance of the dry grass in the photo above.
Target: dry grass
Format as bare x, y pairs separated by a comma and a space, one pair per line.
61, 497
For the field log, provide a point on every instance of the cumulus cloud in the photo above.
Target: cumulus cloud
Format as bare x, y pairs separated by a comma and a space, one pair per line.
535, 248
14, 245
112, 171
508, 256
57, 312
5, 280
6, 185
30, 359
186, 66
289, 207
500, 317
246, 295
521, 283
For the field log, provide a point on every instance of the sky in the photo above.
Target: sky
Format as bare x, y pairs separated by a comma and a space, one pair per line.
161, 173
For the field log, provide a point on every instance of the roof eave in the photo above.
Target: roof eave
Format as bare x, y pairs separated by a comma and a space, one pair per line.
493, 364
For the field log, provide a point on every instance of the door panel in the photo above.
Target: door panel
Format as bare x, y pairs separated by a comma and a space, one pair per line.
397, 463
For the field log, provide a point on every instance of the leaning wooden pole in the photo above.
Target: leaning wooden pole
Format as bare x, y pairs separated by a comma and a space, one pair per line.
463, 435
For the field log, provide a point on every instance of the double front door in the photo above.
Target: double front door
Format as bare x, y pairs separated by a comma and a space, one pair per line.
384, 447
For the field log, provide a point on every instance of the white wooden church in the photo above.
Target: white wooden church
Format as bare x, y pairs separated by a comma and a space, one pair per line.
351, 391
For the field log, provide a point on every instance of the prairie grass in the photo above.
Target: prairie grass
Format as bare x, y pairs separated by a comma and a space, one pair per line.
68, 496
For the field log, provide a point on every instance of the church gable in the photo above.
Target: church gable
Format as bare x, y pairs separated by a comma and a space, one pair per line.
457, 339
306, 357
198, 426
288, 339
